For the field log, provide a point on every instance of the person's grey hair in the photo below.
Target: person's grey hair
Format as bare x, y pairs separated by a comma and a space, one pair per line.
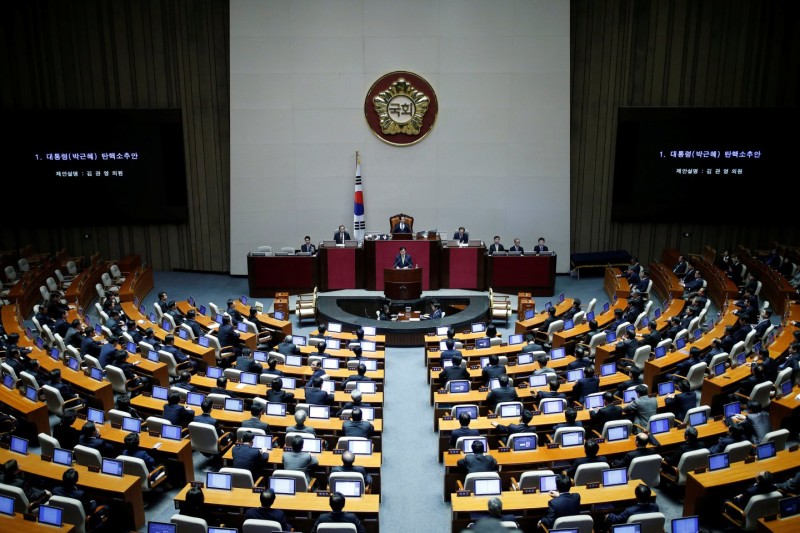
495, 506
300, 416
356, 394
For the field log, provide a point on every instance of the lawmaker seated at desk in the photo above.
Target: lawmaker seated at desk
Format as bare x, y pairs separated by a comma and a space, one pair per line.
541, 246
308, 247
402, 226
340, 236
337, 515
461, 236
496, 246
403, 260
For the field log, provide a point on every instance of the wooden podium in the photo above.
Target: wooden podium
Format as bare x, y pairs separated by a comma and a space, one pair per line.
402, 284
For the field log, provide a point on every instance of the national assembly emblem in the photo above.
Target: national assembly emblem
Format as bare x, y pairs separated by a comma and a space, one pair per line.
401, 108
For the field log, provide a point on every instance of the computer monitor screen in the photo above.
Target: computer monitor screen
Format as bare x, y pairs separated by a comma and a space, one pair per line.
733, 408
608, 369
8, 381
202, 310
442, 345
611, 336
195, 398
508, 410
572, 438
96, 373
552, 406
260, 356
698, 333
19, 445
548, 305
547, 483
131, 425
660, 425
279, 315
95, 415
482, 343
524, 359
130, 347
466, 444
478, 327
630, 327
312, 445
574, 375
627, 528
166, 325
789, 506
660, 351
538, 380
73, 364
494, 383
160, 393
680, 343
248, 378
234, 404
55, 355
741, 359
242, 327
321, 412
351, 487
293, 360
298, 340
666, 387
718, 461
629, 395
371, 331
756, 347
152, 355
766, 450
369, 346
515, 339
524, 443
111, 467
31, 393
171, 432
367, 413
529, 313
687, 524
330, 363
568, 324
593, 401
487, 487
222, 530
719, 369
334, 327
590, 316
657, 313
561, 298
219, 481
6, 505
360, 447
558, 353
62, 457
472, 410
645, 322
616, 433
367, 387
214, 372
440, 331
606, 307
370, 364
276, 409
698, 419
98, 329
50, 515
282, 485
289, 383
218, 318
183, 334
243, 299
786, 387
262, 442
459, 386
615, 476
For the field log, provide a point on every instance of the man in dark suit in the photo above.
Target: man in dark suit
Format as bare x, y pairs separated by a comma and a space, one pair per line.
191, 321
590, 449
69, 489
763, 323
736, 433
540, 246
177, 414
162, 301
90, 438
341, 236
581, 361
402, 226
348, 460
403, 260
562, 502
66, 390
227, 335
276, 394
496, 246
641, 450
132, 449
108, 352
680, 267
436, 312
653, 336
246, 363
681, 402
172, 310
504, 393
206, 418
493, 370
531, 345
463, 430
690, 443
522, 427
516, 247
694, 285
308, 246
450, 350
551, 317
756, 376
570, 420
477, 461
249, 458
177, 354
553, 393
357, 426
255, 422
316, 395
266, 512
588, 384
222, 387
461, 235
455, 371
185, 381
734, 270
337, 516
627, 347
682, 368
643, 505
607, 413
288, 347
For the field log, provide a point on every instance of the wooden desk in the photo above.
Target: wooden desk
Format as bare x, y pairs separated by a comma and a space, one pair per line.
698, 486
127, 490
665, 283
35, 413
524, 326
279, 328
720, 286
269, 274
83, 284
532, 273
564, 338
341, 268
614, 285
783, 408
723, 384
18, 524
326, 459
781, 525
97, 393
26, 292
342, 353
350, 336
774, 287
136, 285
463, 267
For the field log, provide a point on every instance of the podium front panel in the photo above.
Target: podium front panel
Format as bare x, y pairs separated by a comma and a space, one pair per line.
536, 274
463, 267
341, 268
269, 274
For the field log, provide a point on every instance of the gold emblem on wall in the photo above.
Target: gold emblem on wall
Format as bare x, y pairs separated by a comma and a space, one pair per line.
401, 108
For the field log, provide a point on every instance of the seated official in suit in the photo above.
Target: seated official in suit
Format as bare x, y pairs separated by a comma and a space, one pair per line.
266, 512
206, 418
517, 247
276, 394
357, 426
681, 402
308, 246
494, 369
132, 450
590, 450
690, 443
337, 515
436, 311
177, 414
463, 430
461, 235
570, 420
522, 427
455, 371
90, 438
403, 260
249, 458
348, 460
297, 459
607, 413
341, 236
402, 226
504, 393
540, 246
477, 461
300, 426
643, 505
562, 502
255, 422
496, 246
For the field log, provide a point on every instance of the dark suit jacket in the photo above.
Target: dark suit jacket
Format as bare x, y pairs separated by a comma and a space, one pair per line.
464, 238
227, 336
149, 462
681, 403
675, 457
338, 237
541, 248
453, 372
260, 513
493, 371
255, 423
178, 415
340, 517
363, 428
357, 469
462, 432
566, 504
584, 387
516, 249
280, 396
308, 248
318, 397
652, 339
478, 462
638, 508
606, 414
210, 420
501, 394
496, 248
403, 262
249, 458
405, 229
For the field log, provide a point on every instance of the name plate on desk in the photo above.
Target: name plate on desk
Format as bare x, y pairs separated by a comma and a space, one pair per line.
81, 416
599, 440
344, 417
578, 408
447, 417
196, 484
475, 367
153, 433
115, 425
536, 413
216, 406
259, 490
749, 459
700, 470
463, 493
338, 451
441, 391
593, 485
323, 493
455, 451
146, 394
718, 418
552, 445
46, 458
529, 491
794, 448
504, 449
483, 389
522, 386
492, 415
93, 468
30, 517
436, 369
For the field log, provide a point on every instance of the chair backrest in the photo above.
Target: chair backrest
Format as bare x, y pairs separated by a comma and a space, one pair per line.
115, 416
48, 444
590, 473
55, 403
92, 361
555, 325
661, 416
240, 478
560, 431
621, 329
86, 456
760, 393
337, 527
689, 462
11, 274
299, 477
232, 373
154, 423
616, 423
779, 437
21, 502
252, 525
189, 524
758, 288
255, 431
72, 512
106, 279
760, 506
7, 369
590, 306
469, 481
640, 356
341, 442
134, 466
266, 249
651, 522
346, 476
29, 379
188, 331
45, 293
582, 522
169, 360
157, 309
462, 405
501, 405
578, 318
530, 478
638, 322
203, 437
170, 319
696, 374
117, 378
213, 342
739, 451
52, 286
287, 250
737, 349
749, 340
217, 398
23, 265
115, 271
647, 469
720, 357
514, 436
693, 324
72, 268
698, 409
